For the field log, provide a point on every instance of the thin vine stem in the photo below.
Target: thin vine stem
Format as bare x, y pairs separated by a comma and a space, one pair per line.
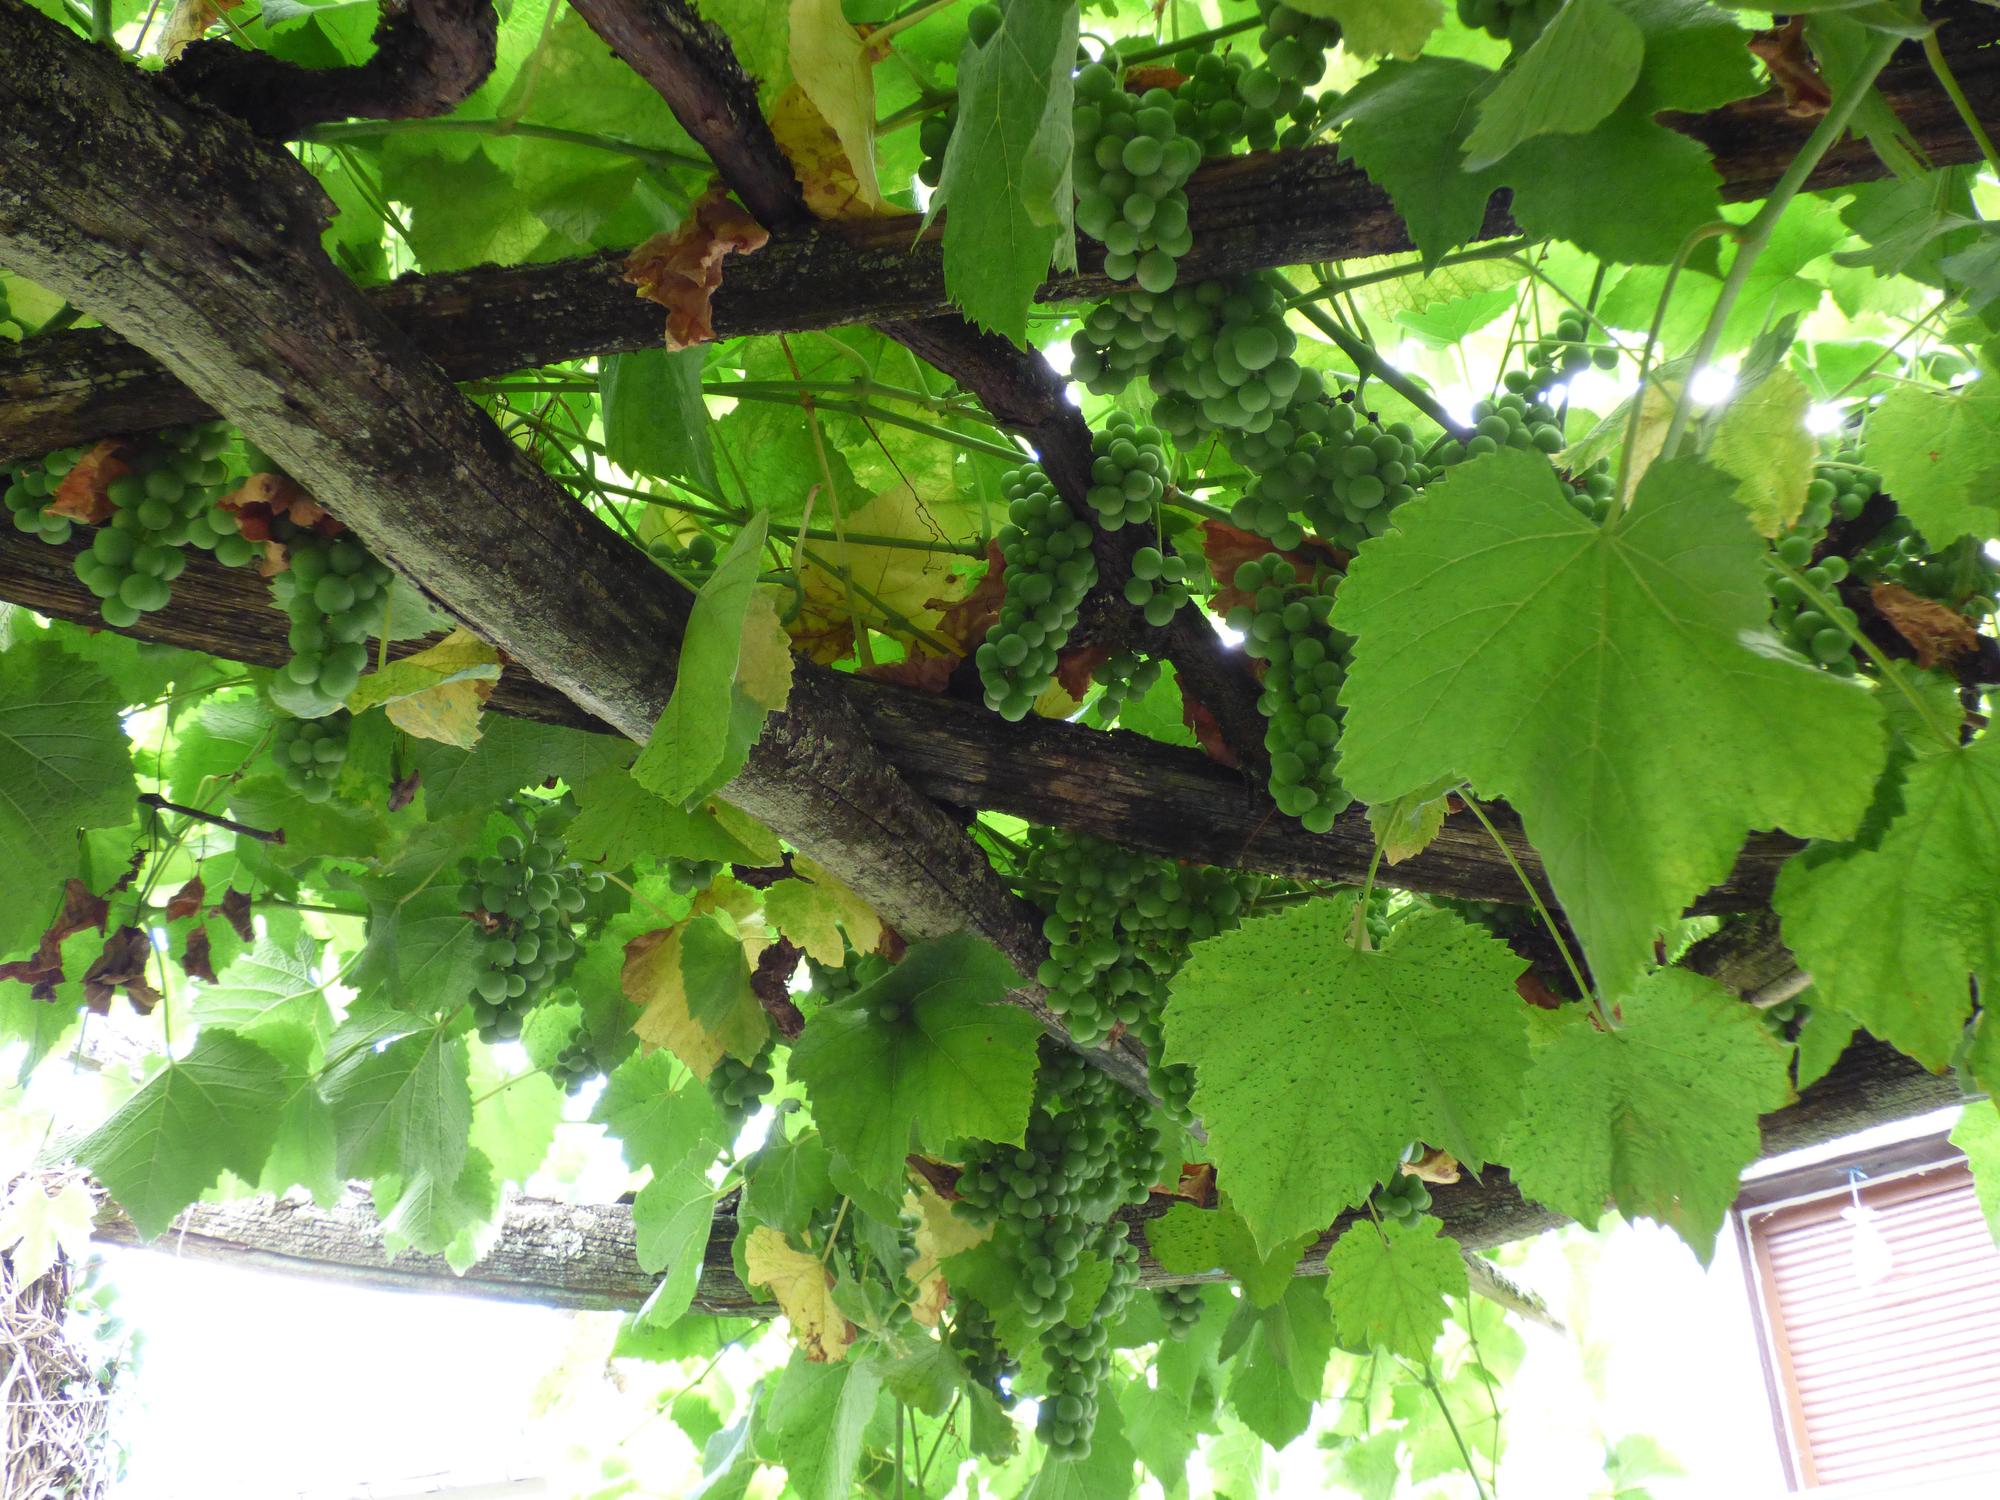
1444, 1407
1336, 286
1830, 607
1687, 248
1757, 233
1371, 363
1562, 945
369, 130
1934, 55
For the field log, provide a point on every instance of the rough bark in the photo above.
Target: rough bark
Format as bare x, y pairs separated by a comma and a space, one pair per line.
1163, 799
429, 55
564, 1255
203, 245
1249, 212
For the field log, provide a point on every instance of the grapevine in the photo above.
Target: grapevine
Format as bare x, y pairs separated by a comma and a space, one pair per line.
527, 896
333, 592
1045, 547
738, 1087
1285, 626
311, 752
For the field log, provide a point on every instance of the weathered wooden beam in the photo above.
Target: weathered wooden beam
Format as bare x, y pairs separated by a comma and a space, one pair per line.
1248, 212
1163, 799
203, 245
583, 1256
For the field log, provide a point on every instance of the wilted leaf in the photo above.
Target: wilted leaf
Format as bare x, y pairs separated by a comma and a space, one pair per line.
263, 498
122, 965
1783, 50
681, 269
692, 984
196, 962
1936, 632
804, 1291
906, 580
941, 1234
437, 693
188, 23
42, 971
234, 908
835, 71
186, 901
924, 674
813, 909
83, 494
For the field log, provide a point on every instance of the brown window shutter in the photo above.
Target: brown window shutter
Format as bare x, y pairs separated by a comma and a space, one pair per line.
1896, 1380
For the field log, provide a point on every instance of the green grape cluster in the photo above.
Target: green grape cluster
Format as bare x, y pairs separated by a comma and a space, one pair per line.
1798, 620
333, 592
31, 489
531, 896
1515, 21
1518, 419
1335, 466
975, 1339
686, 876
1131, 168
577, 1063
856, 971
1562, 355
1079, 1358
1120, 924
934, 139
1123, 679
1285, 626
1045, 546
694, 560
311, 752
1128, 472
1778, 1018
166, 501
1158, 586
738, 1087
1180, 1309
1404, 1197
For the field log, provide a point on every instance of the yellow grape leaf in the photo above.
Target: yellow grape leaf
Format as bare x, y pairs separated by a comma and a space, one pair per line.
1608, 436
1379, 28
804, 1290
691, 983
764, 664
761, 843
832, 187
907, 580
813, 909
437, 693
832, 65
1763, 442
941, 1234
188, 23
1405, 826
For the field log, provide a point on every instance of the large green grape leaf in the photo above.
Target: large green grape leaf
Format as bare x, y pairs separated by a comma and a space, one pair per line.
404, 1107
1893, 929
815, 1421
1571, 76
270, 996
1316, 1063
1188, 1241
953, 1064
671, 1216
1404, 125
1280, 1356
439, 1215
64, 766
1389, 1282
619, 822
214, 1110
1939, 455
660, 1114
1658, 1116
1616, 684
511, 753
1006, 175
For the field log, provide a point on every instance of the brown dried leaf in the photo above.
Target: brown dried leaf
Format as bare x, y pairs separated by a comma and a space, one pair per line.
42, 970
403, 791
1153, 76
965, 621
84, 494
195, 960
1197, 1184
927, 674
1228, 547
1076, 666
832, 188
1531, 989
188, 23
1938, 633
1207, 730
122, 965
1793, 69
234, 908
186, 901
681, 270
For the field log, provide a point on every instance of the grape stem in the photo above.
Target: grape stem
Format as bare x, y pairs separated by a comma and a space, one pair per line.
1695, 238
1370, 363
1934, 55
1431, 1385
1336, 285
1464, 794
263, 835
368, 130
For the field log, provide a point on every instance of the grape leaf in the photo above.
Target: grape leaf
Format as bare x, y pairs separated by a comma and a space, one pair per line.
304, 1145
63, 766
1404, 826
1006, 173
422, 949
220, 737
815, 1422
1574, 74
1616, 684
1389, 1282
787, 1183
1559, 186
270, 996
1316, 1063
1280, 1361
619, 822
655, 421
815, 909
662, 1118
1893, 928
1763, 442
1659, 1116
435, 1214
1977, 1134
1823, 1036
831, 62
37, 1225
735, 668
512, 753
954, 1064
514, 1117
803, 1287
1379, 28
405, 1108
1939, 455
692, 984
671, 1218
214, 1110
1188, 1240
1402, 124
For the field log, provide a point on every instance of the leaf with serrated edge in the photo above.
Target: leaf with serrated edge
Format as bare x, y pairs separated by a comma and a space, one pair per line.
1316, 1063
1659, 1116
956, 1064
1389, 1282
1762, 440
1571, 76
694, 1000
1188, 1240
1893, 929
804, 1292
814, 910
1939, 454
1617, 685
